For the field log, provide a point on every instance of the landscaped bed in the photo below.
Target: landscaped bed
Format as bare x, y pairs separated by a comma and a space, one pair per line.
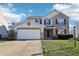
59, 48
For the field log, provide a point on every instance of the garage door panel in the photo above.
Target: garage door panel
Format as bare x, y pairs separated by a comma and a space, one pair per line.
28, 34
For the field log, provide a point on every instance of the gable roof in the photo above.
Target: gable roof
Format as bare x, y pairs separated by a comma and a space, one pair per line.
35, 17
50, 14
57, 12
54, 13
26, 25
23, 21
26, 21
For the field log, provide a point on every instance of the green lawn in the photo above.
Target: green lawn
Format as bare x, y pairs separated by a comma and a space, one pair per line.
59, 48
2, 41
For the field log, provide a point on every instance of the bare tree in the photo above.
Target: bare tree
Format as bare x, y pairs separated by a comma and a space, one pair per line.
11, 33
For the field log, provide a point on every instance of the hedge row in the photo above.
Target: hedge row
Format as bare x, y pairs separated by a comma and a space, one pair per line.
64, 36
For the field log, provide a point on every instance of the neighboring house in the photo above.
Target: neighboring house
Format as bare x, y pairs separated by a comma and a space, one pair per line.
40, 27
3, 32
77, 31
3, 27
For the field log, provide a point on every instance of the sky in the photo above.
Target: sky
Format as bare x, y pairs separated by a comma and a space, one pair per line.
15, 12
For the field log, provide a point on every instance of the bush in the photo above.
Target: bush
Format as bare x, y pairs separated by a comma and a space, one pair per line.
64, 36
77, 39
6, 39
11, 35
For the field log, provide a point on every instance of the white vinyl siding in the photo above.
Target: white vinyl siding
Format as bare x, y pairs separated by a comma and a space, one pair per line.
39, 21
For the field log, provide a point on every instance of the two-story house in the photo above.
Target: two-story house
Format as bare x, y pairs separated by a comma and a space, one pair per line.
40, 27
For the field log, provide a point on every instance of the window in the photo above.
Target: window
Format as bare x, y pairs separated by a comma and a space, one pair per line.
28, 23
64, 21
0, 36
60, 21
46, 21
56, 21
60, 31
40, 21
64, 31
35, 20
48, 33
56, 31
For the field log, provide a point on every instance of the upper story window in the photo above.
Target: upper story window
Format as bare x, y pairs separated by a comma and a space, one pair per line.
35, 20
39, 21
46, 21
60, 21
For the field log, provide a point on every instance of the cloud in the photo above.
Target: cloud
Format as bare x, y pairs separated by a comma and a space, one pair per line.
8, 11
30, 10
71, 26
12, 17
61, 6
72, 10
6, 8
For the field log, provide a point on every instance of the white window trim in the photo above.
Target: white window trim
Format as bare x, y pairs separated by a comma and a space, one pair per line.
47, 24
60, 21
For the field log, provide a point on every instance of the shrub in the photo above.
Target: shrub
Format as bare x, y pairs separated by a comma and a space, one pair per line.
11, 35
77, 39
64, 36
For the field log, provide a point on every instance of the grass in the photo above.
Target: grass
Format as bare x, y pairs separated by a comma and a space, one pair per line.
2, 41
59, 48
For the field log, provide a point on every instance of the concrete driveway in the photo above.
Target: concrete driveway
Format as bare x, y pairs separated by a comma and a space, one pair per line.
21, 48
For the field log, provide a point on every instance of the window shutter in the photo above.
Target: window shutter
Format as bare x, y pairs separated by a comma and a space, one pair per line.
40, 21
49, 22
64, 21
35, 20
44, 22
56, 31
56, 21
64, 31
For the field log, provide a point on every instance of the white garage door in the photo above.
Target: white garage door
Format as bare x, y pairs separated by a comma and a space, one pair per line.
28, 34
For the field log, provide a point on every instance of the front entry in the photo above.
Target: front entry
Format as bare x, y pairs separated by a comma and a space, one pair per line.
48, 33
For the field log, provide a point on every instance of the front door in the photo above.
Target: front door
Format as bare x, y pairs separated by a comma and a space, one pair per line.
48, 33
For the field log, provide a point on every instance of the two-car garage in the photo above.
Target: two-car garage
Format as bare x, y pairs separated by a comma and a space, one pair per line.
29, 30
29, 33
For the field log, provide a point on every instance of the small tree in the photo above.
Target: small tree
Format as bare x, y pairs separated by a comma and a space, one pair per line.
11, 33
